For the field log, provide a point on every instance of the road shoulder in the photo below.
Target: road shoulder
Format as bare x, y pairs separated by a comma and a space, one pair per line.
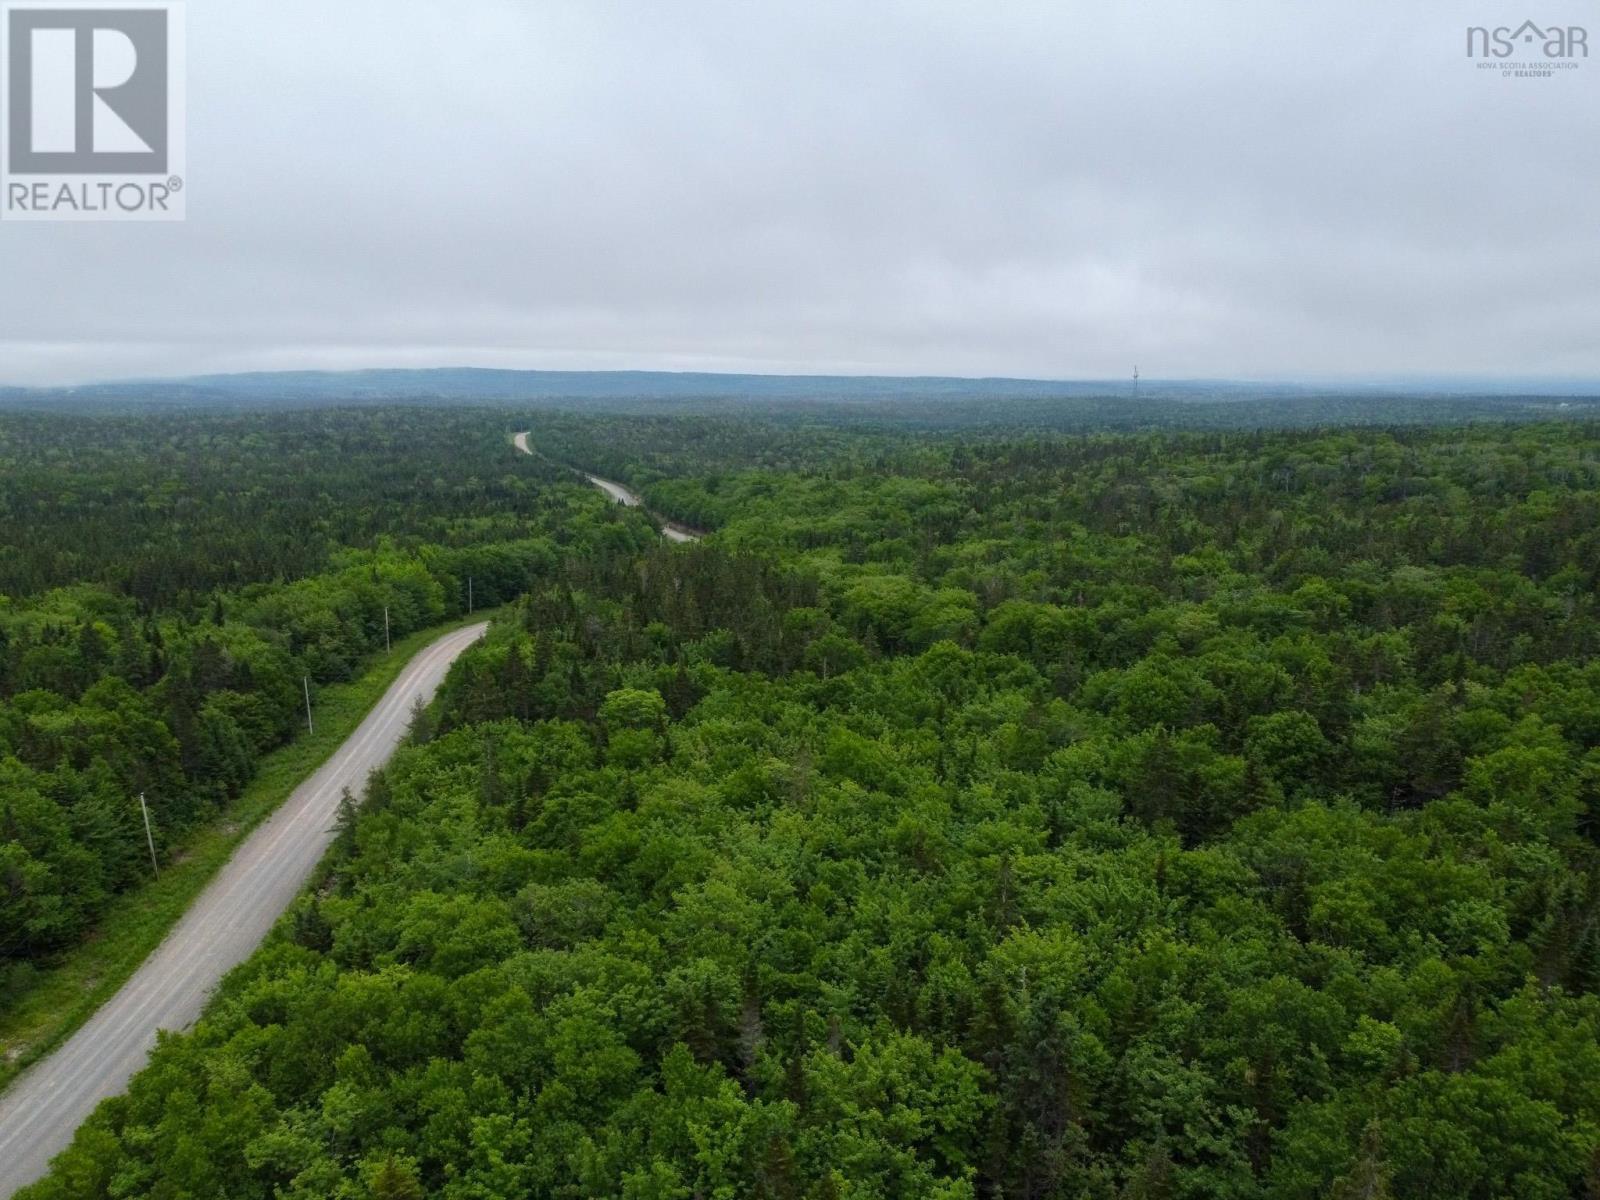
68, 992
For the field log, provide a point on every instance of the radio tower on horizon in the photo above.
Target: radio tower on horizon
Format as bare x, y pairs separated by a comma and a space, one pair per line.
1135, 381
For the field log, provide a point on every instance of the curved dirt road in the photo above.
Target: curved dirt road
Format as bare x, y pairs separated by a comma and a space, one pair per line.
40, 1112
670, 530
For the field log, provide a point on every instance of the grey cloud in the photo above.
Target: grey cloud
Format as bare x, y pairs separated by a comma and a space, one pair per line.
1209, 189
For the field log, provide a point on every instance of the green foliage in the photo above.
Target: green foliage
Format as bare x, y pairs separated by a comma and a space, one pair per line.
1205, 815
177, 656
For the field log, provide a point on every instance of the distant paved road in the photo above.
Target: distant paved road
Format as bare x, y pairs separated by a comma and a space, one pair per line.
42, 1109
670, 530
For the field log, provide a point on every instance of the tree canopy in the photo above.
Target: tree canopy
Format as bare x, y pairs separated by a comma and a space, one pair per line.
1162, 815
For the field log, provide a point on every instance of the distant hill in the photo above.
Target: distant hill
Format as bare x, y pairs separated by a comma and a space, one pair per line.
932, 400
478, 384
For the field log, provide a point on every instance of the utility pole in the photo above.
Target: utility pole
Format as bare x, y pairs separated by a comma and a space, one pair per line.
386, 646
469, 595
306, 681
148, 836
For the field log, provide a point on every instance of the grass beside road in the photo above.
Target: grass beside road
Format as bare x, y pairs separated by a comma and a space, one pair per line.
46, 1009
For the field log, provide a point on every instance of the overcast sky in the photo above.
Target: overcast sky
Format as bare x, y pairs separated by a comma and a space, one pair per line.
1207, 189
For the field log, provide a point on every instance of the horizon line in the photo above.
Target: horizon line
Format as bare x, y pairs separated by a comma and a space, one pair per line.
1410, 378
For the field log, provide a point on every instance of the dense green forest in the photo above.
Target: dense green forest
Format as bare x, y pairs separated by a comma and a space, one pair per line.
1166, 815
165, 585
165, 509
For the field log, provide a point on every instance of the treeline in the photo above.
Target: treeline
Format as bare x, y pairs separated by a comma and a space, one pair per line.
1200, 816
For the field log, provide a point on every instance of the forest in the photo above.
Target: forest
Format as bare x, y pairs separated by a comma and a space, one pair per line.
1004, 813
169, 588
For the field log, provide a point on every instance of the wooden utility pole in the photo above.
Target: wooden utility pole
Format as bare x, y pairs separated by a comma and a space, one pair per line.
148, 836
306, 682
386, 646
